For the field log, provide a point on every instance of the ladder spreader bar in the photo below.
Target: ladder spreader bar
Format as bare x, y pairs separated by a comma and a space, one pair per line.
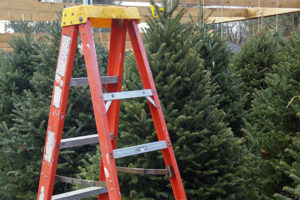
83, 81
127, 94
142, 171
76, 181
80, 141
79, 194
138, 149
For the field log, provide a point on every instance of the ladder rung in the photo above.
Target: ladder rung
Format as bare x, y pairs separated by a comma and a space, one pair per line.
80, 141
127, 94
143, 148
78, 194
83, 81
76, 181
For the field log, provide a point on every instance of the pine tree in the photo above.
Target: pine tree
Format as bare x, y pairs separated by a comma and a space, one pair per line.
207, 153
274, 121
26, 83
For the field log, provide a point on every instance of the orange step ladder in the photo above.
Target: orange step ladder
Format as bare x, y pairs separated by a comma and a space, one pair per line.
81, 19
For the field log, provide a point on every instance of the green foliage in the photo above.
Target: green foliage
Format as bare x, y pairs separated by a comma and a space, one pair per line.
26, 83
274, 121
293, 171
254, 61
216, 55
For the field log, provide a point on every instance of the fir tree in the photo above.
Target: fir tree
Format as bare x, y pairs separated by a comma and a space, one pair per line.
216, 55
207, 153
274, 121
254, 61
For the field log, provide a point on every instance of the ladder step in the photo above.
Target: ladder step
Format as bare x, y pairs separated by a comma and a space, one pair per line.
138, 149
76, 181
80, 141
83, 81
79, 194
127, 94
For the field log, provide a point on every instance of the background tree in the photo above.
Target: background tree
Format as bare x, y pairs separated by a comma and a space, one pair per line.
207, 153
216, 55
274, 121
254, 61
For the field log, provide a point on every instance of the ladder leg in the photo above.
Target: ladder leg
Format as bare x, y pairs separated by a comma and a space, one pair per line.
115, 68
99, 111
57, 111
157, 114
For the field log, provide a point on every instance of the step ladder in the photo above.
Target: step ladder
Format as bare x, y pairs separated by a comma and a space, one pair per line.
80, 20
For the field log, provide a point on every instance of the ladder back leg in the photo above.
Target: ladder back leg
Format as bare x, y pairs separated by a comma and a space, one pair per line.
157, 114
57, 111
115, 68
99, 111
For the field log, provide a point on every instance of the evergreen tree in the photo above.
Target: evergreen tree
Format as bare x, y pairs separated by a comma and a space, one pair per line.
216, 55
26, 83
274, 121
207, 153
254, 61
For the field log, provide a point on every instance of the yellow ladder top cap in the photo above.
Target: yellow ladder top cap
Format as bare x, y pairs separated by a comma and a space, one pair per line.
100, 16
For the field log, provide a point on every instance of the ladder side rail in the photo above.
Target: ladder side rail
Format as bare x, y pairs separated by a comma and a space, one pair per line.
58, 106
115, 68
157, 114
99, 110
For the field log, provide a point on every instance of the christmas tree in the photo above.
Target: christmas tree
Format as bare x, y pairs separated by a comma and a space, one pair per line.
274, 121
207, 153
216, 55
256, 58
